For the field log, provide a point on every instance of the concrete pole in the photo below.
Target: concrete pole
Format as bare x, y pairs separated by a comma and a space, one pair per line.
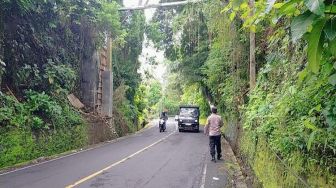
110, 68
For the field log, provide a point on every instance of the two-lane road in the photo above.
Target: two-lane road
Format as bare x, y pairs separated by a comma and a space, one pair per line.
147, 159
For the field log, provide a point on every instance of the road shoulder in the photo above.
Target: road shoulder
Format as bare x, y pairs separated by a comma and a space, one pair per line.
226, 172
232, 166
46, 159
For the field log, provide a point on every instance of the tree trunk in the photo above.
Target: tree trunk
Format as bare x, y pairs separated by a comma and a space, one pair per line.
252, 52
1, 44
207, 94
1, 34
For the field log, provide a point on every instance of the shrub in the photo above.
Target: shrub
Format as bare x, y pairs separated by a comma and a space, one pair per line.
39, 126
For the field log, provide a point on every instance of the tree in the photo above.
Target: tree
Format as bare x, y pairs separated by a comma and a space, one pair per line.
154, 93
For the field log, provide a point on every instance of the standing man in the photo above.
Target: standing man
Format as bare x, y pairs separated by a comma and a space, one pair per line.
212, 129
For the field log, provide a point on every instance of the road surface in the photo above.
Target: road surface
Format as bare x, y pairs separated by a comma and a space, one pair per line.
147, 159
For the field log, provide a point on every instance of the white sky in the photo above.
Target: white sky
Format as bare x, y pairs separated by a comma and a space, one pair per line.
148, 50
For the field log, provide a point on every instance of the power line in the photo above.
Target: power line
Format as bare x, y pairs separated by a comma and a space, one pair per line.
170, 4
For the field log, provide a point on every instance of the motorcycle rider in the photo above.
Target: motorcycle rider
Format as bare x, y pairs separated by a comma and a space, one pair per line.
164, 116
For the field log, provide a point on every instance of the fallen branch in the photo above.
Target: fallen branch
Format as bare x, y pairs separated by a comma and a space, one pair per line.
11, 93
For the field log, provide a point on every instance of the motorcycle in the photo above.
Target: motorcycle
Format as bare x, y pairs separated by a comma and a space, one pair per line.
162, 125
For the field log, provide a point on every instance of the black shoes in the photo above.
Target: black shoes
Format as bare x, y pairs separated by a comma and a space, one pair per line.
219, 158
213, 159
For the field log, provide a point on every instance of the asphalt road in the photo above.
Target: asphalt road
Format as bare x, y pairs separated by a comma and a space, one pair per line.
146, 159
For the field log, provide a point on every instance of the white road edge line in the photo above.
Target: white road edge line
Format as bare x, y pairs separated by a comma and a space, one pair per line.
69, 155
51, 160
204, 175
116, 163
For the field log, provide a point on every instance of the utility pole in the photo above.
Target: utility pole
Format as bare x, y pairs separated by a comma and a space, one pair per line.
110, 67
252, 51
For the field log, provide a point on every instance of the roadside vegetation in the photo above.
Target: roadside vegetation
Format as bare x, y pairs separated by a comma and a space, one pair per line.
42, 47
280, 119
269, 66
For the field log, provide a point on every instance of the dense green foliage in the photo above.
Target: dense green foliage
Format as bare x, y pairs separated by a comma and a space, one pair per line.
284, 128
42, 47
313, 20
172, 94
289, 117
291, 108
40, 126
125, 66
187, 53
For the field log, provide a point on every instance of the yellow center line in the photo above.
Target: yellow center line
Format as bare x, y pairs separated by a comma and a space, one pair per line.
116, 163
